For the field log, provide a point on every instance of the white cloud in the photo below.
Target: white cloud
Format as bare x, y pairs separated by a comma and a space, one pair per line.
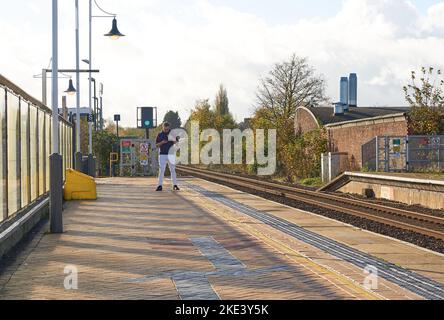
179, 51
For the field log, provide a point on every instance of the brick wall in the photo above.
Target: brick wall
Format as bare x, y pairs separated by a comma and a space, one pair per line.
304, 121
350, 137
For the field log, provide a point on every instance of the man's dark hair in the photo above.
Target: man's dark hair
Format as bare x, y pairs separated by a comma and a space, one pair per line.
166, 124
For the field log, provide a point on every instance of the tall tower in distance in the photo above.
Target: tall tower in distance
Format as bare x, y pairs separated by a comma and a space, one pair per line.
353, 90
344, 92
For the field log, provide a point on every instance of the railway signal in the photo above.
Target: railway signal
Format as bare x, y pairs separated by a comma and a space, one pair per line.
146, 119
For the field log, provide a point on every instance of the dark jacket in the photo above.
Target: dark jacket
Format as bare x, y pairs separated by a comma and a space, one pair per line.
164, 149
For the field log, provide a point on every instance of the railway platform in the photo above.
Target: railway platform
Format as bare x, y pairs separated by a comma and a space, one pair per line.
210, 242
426, 190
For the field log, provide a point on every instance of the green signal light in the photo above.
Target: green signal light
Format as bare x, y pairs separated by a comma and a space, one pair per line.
147, 123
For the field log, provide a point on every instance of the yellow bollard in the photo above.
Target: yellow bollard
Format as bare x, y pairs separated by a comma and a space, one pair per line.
79, 186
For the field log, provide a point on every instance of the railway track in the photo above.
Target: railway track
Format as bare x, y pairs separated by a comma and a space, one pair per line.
427, 225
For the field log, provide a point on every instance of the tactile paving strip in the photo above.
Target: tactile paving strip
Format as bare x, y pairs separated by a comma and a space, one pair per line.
414, 282
192, 285
220, 257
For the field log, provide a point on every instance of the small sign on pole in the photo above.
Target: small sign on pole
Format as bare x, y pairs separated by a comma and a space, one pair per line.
90, 118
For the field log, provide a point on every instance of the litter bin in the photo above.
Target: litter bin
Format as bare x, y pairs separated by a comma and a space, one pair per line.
88, 166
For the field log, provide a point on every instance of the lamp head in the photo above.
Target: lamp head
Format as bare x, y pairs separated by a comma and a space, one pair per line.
114, 34
71, 90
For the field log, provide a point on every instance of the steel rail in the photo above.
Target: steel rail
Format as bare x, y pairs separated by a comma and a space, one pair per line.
342, 204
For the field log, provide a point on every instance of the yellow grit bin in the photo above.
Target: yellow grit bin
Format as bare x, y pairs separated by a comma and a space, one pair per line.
79, 186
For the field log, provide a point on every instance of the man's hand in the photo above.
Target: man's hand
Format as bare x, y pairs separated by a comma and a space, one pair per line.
162, 143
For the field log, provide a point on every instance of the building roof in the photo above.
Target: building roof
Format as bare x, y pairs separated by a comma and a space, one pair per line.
326, 114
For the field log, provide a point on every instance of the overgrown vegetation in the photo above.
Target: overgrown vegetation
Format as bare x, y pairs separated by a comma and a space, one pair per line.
427, 102
104, 142
289, 85
173, 119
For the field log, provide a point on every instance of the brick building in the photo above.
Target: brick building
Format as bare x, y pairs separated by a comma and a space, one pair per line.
347, 132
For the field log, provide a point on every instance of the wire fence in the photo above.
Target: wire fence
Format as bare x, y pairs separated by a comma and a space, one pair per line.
404, 154
25, 147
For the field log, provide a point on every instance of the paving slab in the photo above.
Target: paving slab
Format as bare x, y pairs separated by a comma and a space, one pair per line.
134, 243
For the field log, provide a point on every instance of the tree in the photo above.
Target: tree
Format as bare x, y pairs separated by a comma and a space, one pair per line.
289, 85
426, 100
221, 102
104, 142
302, 155
173, 118
203, 114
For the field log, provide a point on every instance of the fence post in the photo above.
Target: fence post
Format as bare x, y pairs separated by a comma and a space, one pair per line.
386, 156
407, 156
377, 154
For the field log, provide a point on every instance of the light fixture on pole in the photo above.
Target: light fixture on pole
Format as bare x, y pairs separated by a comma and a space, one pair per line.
114, 34
71, 90
78, 154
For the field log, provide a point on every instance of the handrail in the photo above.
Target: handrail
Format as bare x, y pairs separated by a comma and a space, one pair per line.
20, 92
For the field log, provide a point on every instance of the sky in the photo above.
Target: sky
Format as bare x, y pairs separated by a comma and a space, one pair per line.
179, 51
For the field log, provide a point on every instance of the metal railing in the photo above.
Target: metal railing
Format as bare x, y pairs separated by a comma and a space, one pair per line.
25, 146
404, 154
425, 153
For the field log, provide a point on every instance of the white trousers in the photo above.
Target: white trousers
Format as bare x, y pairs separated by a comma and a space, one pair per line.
171, 160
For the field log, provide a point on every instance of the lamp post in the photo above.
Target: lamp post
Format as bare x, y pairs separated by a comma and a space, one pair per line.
96, 104
78, 153
113, 34
56, 180
56, 160
101, 106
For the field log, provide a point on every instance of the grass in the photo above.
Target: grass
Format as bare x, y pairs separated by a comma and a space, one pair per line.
312, 182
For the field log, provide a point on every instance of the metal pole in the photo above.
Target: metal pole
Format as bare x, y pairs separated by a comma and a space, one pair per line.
407, 160
44, 80
377, 153
77, 80
95, 105
101, 106
101, 113
55, 78
90, 77
56, 222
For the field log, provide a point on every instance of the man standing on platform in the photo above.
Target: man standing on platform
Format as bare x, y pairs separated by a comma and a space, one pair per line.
164, 143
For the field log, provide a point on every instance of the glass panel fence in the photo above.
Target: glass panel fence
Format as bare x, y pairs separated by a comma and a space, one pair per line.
34, 156
3, 207
42, 163
25, 148
13, 158
24, 154
47, 148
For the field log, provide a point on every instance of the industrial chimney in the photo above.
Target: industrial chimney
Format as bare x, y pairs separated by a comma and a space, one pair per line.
344, 92
353, 90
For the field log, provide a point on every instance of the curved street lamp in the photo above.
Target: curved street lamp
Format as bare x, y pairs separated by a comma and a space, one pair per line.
71, 90
114, 34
